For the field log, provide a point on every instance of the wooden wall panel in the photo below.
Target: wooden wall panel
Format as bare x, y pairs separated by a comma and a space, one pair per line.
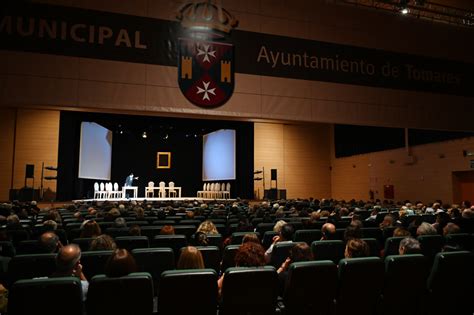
429, 178
7, 121
37, 138
300, 153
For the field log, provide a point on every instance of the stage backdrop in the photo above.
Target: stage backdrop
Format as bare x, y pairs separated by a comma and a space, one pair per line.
132, 153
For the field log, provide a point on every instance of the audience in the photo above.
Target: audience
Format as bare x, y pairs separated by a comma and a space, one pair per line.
328, 231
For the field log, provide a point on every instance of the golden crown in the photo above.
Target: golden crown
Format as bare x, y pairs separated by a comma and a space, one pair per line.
206, 15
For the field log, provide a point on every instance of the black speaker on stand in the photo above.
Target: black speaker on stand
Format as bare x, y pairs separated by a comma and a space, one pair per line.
30, 173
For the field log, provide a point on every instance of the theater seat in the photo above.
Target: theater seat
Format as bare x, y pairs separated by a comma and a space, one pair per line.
132, 242
238, 236
54, 296
311, 288
391, 245
406, 275
267, 239
7, 249
328, 250
176, 242
280, 253
462, 240
211, 256
249, 291
450, 284
430, 245
201, 292
307, 236
360, 285
374, 247
154, 261
93, 262
228, 257
84, 243
132, 294
31, 266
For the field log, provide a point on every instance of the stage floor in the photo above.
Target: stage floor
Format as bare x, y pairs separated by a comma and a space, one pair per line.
155, 199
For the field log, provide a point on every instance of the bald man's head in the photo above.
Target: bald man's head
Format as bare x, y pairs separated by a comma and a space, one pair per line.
67, 258
49, 241
329, 231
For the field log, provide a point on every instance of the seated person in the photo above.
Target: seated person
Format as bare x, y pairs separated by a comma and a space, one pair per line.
284, 236
409, 245
190, 258
68, 263
120, 264
49, 242
356, 248
103, 242
299, 252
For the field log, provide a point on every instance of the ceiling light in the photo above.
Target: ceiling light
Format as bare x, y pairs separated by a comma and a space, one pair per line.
144, 135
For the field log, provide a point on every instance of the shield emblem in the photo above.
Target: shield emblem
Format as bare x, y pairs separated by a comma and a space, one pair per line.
206, 71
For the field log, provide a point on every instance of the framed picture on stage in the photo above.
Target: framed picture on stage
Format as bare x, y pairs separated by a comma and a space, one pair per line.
163, 160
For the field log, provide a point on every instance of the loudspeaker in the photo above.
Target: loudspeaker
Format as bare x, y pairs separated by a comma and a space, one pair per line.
30, 171
273, 174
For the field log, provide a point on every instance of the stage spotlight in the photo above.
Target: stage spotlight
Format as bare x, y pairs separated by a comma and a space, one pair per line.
404, 6
195, 135
144, 135
165, 136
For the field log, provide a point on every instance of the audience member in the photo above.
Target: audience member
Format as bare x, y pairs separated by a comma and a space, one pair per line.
207, 227
328, 231
90, 228
190, 258
68, 263
409, 245
284, 236
400, 231
425, 229
135, 230
167, 230
120, 264
103, 242
49, 242
251, 237
356, 248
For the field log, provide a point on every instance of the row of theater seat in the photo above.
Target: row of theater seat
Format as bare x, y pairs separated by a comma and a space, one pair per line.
168, 248
402, 285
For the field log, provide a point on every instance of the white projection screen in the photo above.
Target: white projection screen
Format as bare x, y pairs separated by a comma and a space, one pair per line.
218, 155
95, 152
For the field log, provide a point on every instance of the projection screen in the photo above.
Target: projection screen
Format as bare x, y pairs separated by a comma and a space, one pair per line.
95, 152
218, 155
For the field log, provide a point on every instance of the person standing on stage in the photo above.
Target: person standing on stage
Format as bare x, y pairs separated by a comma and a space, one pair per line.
129, 180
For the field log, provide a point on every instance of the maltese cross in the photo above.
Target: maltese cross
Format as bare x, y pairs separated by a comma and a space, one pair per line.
206, 90
206, 52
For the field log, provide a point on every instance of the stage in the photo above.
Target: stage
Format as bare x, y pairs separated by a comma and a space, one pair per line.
182, 199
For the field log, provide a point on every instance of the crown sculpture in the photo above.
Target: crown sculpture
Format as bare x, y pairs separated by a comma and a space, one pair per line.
205, 16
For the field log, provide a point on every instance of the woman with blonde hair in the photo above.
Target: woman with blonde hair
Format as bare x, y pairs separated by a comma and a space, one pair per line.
207, 227
190, 258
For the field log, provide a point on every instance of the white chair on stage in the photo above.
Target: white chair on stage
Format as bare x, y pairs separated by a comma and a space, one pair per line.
162, 190
96, 190
200, 193
116, 193
207, 187
102, 191
217, 191
109, 190
171, 190
225, 191
150, 190
210, 190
